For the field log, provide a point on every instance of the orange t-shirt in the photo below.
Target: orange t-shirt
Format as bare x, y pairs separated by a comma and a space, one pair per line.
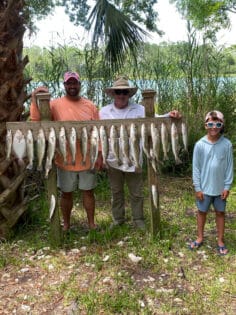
65, 109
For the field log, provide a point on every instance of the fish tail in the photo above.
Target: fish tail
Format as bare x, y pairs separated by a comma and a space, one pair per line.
178, 161
40, 168
29, 166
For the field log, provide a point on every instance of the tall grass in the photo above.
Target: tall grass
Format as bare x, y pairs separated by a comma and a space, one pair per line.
186, 76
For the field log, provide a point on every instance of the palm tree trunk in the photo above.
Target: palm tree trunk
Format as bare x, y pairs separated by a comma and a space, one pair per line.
12, 97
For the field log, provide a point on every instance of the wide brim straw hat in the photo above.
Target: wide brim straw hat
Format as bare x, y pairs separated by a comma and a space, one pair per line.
121, 83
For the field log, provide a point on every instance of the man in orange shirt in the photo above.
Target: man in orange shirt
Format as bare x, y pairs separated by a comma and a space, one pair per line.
68, 108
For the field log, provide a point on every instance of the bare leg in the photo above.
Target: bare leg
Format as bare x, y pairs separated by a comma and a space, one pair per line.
66, 207
201, 220
89, 205
220, 225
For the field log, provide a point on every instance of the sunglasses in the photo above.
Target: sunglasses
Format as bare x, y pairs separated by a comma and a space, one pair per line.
214, 124
119, 92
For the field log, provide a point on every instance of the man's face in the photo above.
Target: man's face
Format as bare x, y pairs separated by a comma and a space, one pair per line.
121, 98
72, 87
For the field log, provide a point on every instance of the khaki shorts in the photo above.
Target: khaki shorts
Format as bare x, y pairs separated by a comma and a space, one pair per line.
69, 181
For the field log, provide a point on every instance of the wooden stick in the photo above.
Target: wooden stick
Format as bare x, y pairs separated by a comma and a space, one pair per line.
43, 100
153, 183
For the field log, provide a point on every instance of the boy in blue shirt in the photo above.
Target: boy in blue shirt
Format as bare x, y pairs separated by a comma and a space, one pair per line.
212, 177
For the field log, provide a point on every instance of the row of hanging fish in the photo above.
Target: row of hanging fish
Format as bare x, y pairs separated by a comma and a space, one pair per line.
160, 139
124, 145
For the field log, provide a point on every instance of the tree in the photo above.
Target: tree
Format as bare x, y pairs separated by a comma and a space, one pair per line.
116, 25
12, 97
207, 15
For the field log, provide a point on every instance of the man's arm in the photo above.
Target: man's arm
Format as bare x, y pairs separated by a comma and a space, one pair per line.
173, 114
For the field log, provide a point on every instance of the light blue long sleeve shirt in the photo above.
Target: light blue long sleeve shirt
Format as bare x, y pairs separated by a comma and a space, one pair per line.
212, 166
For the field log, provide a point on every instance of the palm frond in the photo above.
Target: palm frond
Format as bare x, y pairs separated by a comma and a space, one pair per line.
116, 31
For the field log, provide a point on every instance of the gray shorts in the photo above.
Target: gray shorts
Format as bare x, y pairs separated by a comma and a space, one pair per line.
218, 203
69, 181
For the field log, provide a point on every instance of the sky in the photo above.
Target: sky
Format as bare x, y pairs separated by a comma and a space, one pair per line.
57, 29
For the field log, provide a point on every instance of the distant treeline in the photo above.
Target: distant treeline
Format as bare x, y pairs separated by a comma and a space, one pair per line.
193, 79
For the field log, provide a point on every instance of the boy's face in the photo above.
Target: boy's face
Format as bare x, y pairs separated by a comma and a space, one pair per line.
214, 127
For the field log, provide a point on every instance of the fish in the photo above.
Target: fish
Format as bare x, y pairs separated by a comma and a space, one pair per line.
153, 160
104, 143
62, 144
164, 141
154, 196
30, 149
19, 146
84, 144
184, 131
52, 206
175, 143
156, 141
144, 140
124, 146
50, 150
114, 143
72, 143
41, 147
134, 146
8, 144
94, 144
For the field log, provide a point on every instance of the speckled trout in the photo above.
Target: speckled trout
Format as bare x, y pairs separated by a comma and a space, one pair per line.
156, 141
50, 150
114, 143
134, 147
30, 149
124, 146
62, 144
184, 131
175, 143
41, 146
84, 144
72, 143
8, 144
19, 146
164, 141
144, 139
104, 143
94, 144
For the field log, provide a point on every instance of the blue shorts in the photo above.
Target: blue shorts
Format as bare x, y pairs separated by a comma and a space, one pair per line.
218, 203
69, 181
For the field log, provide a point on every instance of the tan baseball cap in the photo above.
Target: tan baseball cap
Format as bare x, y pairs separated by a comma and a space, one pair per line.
215, 114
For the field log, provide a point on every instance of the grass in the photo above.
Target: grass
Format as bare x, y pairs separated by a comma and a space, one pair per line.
92, 274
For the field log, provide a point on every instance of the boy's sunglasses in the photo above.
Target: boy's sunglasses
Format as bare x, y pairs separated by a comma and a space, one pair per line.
214, 124
119, 92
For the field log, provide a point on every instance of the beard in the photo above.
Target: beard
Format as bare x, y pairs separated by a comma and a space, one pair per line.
73, 92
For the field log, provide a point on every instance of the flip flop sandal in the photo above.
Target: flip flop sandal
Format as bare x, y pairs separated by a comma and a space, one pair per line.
195, 245
222, 250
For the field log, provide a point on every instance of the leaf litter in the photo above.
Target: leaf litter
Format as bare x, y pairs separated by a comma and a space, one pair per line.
160, 275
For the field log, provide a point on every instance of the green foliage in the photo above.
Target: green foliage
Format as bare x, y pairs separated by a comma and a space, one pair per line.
139, 11
187, 76
117, 31
206, 13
